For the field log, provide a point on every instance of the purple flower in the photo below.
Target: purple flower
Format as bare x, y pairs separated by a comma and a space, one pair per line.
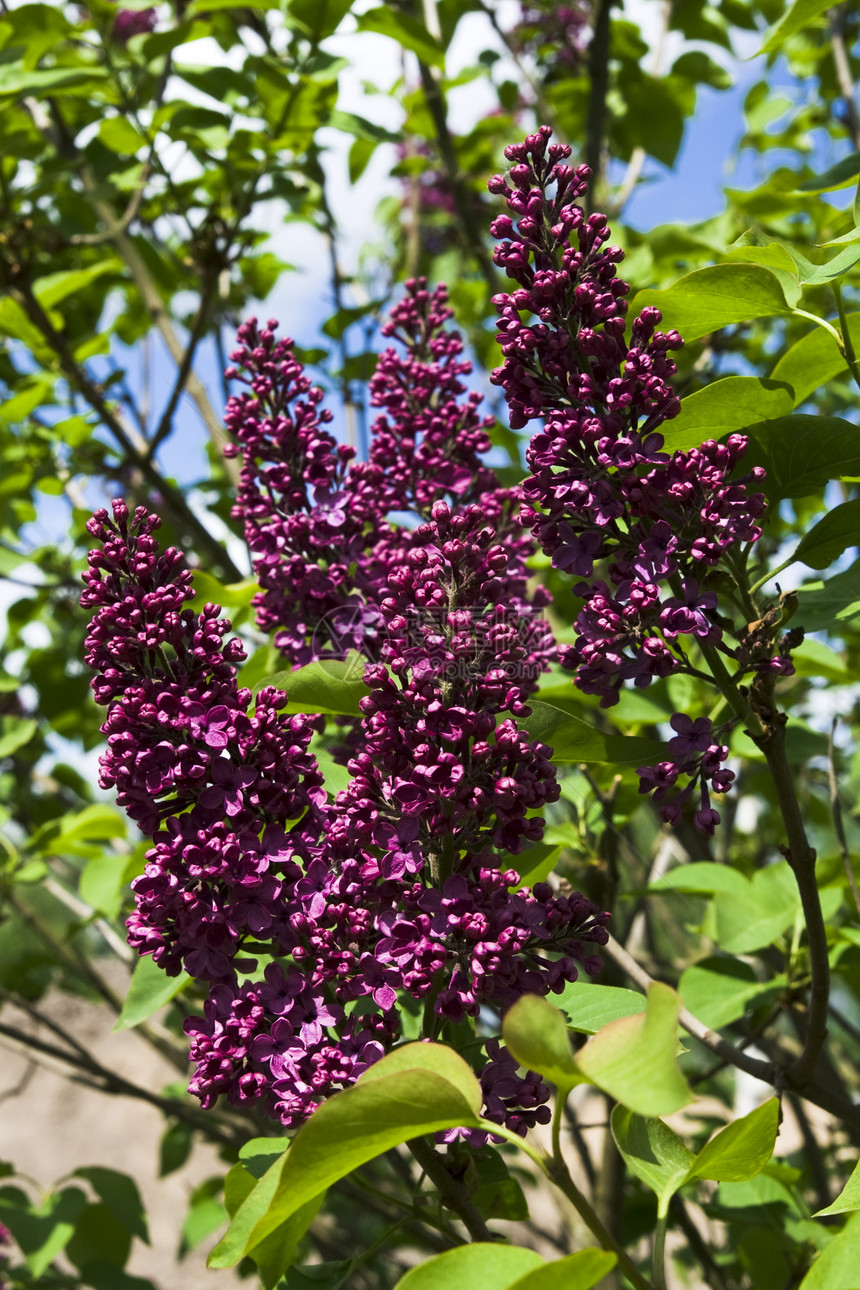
133, 22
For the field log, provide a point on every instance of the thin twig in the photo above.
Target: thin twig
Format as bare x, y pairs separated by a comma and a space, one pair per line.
165, 424
92, 1074
454, 1194
752, 1065
57, 132
595, 121
134, 450
836, 21
545, 112
838, 822
801, 858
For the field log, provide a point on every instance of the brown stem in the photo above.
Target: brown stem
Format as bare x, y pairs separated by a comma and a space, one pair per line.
78, 378
838, 822
771, 1072
609, 1193
710, 1268
801, 858
545, 113
752, 1065
836, 20
165, 424
453, 1193
812, 1153
560, 1175
459, 189
102, 1080
595, 120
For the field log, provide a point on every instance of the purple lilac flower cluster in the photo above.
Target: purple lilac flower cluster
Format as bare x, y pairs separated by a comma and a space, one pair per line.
602, 489
557, 34
399, 887
315, 519
133, 22
5, 1246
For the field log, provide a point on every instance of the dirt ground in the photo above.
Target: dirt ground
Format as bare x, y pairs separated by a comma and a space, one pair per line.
50, 1126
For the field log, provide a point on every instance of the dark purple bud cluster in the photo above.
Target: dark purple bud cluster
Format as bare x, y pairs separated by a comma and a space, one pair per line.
133, 22
316, 520
518, 1101
401, 887
232, 795
602, 489
314, 527
428, 438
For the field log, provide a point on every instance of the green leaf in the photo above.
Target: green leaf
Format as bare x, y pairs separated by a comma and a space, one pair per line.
749, 914
118, 134
848, 1199
408, 33
492, 1267
14, 734
802, 453
18, 80
102, 884
331, 686
318, 18
588, 1007
54, 288
536, 1033
842, 175
835, 533
120, 1194
235, 595
174, 1147
574, 740
634, 1059
416, 1089
98, 1238
798, 16
578, 1271
534, 864
755, 248
481, 1266
653, 1152
816, 275
150, 989
259, 1153
814, 360
823, 606
720, 989
838, 1265
361, 128
725, 405
44, 1232
205, 1215
742, 1149
708, 299
98, 822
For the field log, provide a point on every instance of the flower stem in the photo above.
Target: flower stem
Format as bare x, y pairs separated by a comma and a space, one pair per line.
658, 1255
801, 858
846, 344
556, 1170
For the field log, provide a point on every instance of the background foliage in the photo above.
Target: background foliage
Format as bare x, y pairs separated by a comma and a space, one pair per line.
139, 180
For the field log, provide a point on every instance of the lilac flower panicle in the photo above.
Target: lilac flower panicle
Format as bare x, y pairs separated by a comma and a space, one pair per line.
400, 887
639, 527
